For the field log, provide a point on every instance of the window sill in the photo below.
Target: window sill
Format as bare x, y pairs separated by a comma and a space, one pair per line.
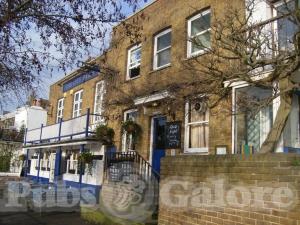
134, 78
203, 151
160, 69
195, 153
196, 55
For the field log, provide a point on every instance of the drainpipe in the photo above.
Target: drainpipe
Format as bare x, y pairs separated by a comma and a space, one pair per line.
26, 163
87, 123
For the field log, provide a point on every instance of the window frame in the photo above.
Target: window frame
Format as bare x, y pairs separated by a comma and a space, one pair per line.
189, 42
60, 110
235, 87
275, 28
98, 119
124, 138
155, 57
187, 125
78, 111
132, 49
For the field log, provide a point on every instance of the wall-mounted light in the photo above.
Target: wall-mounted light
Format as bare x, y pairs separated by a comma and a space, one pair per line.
154, 104
65, 94
71, 92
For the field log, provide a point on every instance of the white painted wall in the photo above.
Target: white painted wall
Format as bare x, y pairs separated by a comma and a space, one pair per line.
32, 117
261, 11
95, 178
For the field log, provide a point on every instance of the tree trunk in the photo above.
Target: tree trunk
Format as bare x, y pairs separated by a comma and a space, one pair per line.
282, 115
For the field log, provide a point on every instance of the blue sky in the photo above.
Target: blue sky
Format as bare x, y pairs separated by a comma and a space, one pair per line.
47, 79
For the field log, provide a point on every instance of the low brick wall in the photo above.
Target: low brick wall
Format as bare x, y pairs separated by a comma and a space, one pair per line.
232, 189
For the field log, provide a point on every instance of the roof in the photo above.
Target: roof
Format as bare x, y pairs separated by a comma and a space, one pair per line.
138, 11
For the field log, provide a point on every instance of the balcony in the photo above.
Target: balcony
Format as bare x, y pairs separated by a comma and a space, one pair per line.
77, 128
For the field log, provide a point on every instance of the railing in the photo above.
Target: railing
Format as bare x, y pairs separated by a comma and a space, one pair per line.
78, 127
128, 163
131, 167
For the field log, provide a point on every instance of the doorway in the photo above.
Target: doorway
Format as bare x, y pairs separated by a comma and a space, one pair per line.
158, 141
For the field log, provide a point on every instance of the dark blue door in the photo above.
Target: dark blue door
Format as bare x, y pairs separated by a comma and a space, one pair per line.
159, 141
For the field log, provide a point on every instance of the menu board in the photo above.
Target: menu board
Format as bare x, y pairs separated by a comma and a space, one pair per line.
173, 135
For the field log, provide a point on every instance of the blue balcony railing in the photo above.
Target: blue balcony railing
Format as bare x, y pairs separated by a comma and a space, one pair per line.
79, 127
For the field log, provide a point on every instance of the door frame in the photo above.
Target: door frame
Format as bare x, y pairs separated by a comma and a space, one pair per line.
152, 136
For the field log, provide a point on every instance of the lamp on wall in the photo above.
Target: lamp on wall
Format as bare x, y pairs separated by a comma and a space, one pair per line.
65, 94
71, 92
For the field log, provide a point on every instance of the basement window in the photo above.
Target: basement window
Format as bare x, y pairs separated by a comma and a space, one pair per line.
162, 49
199, 32
134, 62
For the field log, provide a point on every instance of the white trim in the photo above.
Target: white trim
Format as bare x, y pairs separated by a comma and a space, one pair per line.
47, 147
9, 174
187, 124
78, 111
258, 77
124, 136
60, 109
129, 67
233, 128
189, 43
151, 98
155, 66
95, 119
241, 85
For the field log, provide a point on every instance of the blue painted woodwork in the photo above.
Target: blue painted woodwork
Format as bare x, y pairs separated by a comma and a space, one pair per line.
87, 123
80, 79
291, 150
159, 141
27, 165
58, 162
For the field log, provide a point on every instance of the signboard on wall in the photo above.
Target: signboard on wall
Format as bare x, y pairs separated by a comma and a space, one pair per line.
173, 135
80, 79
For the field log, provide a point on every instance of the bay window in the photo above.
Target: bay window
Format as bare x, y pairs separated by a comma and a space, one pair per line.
253, 118
285, 26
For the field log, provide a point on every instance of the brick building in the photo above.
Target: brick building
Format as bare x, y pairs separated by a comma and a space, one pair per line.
154, 58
